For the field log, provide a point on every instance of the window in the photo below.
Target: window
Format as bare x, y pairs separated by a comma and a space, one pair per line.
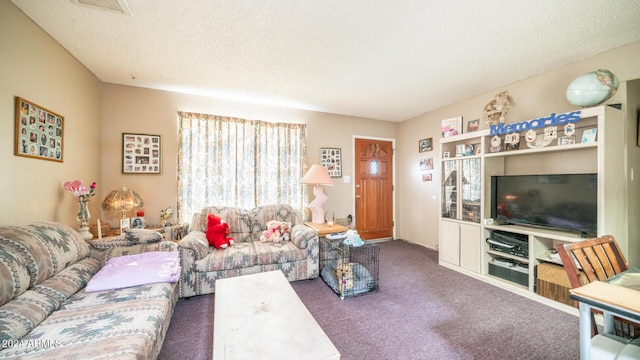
228, 161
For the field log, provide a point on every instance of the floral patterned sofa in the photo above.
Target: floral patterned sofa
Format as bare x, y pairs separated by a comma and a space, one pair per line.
202, 264
45, 311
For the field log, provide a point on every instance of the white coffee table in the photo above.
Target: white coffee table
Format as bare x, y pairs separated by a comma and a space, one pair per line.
260, 316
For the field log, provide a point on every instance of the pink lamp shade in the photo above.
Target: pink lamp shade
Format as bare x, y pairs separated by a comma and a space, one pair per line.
318, 176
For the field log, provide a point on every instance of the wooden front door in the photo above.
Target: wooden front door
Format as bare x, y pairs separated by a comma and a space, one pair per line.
374, 188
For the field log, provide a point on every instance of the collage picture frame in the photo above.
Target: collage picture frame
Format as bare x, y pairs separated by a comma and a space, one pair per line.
331, 160
39, 132
141, 154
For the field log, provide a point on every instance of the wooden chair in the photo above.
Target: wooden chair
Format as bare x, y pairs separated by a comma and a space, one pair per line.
598, 259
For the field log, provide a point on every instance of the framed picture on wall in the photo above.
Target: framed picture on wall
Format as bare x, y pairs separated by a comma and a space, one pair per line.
141, 154
425, 145
426, 164
39, 132
331, 160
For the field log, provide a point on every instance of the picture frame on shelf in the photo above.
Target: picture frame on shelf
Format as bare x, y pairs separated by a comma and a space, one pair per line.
566, 140
331, 160
39, 132
141, 154
425, 145
512, 142
511, 146
446, 155
473, 125
451, 127
589, 135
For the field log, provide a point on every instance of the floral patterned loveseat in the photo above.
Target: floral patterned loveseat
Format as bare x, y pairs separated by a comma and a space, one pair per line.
45, 312
202, 264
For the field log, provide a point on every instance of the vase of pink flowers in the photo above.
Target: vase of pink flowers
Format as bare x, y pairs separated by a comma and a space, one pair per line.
82, 194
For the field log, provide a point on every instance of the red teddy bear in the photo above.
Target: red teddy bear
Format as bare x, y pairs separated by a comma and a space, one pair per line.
217, 231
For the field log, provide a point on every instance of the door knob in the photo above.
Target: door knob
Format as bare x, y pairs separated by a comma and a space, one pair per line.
358, 196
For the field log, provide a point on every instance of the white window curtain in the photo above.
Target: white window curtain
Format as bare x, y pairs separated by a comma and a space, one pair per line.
227, 161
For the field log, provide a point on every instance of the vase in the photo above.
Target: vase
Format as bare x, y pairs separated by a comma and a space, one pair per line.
83, 218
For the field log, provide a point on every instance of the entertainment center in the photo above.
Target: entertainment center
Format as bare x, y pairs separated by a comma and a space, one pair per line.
506, 248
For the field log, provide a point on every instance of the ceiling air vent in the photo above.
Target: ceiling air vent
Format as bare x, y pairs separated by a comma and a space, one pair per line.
119, 6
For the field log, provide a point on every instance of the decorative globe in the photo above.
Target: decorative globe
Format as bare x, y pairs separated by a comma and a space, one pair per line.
592, 88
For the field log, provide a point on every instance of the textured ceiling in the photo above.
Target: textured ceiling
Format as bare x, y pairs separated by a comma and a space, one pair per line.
388, 60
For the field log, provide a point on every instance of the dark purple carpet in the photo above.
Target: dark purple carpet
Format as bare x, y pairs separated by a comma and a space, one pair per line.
422, 311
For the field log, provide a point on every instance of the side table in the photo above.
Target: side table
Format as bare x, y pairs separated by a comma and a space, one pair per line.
326, 229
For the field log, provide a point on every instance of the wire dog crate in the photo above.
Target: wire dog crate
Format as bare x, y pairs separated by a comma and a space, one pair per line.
351, 271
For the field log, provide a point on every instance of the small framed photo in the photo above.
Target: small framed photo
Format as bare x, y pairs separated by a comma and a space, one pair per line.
478, 149
426, 164
473, 125
39, 132
125, 224
511, 146
331, 160
567, 140
141, 154
589, 135
446, 155
425, 145
512, 138
426, 177
137, 223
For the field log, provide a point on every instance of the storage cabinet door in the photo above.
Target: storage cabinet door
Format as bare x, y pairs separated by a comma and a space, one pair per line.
450, 242
450, 189
470, 247
471, 185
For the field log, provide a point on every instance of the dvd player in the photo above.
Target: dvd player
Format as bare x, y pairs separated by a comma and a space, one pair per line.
509, 243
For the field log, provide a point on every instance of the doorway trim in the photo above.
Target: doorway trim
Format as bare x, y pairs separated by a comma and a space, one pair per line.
393, 173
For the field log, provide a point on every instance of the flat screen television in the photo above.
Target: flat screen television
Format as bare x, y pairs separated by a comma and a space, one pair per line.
560, 201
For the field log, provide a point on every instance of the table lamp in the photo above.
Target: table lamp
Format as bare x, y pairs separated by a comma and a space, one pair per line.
122, 200
318, 176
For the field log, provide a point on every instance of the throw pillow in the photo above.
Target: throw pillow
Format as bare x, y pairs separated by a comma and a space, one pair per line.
143, 236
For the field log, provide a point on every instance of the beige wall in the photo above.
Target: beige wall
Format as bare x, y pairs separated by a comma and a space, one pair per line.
138, 110
35, 67
535, 97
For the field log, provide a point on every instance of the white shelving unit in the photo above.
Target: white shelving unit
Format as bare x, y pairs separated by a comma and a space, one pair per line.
461, 206
603, 156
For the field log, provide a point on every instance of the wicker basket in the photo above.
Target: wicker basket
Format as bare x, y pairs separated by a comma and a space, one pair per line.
104, 227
